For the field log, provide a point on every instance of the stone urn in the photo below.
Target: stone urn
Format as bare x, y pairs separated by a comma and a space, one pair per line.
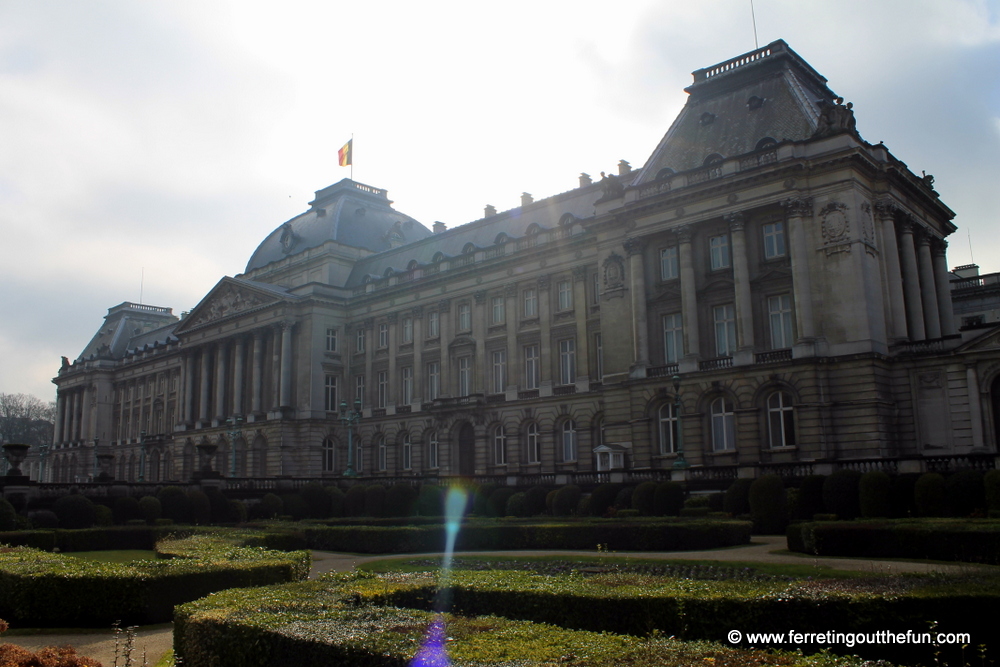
15, 454
206, 451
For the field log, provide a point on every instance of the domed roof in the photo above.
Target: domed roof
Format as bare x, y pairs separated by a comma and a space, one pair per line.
347, 212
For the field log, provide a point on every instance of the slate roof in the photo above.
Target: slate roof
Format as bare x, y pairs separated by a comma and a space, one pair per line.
128, 326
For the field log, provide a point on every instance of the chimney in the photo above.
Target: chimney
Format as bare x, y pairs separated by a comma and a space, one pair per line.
526, 199
585, 180
489, 211
624, 168
439, 227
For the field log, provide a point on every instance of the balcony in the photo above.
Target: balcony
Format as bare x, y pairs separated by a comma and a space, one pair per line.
773, 356
715, 364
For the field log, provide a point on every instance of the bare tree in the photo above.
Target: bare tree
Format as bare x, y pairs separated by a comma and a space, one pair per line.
26, 419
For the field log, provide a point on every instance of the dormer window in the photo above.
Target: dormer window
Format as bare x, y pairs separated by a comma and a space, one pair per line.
755, 103
707, 118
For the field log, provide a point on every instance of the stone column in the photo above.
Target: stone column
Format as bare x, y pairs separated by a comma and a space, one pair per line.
911, 283
479, 329
512, 314
203, 417
86, 417
580, 310
275, 396
258, 373
545, 351
689, 302
634, 248
975, 406
122, 433
188, 390
57, 432
73, 421
939, 250
238, 377
885, 211
371, 387
392, 393
221, 367
286, 365
445, 328
928, 290
798, 212
419, 375
741, 289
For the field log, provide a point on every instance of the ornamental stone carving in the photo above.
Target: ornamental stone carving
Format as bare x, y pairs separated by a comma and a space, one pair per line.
736, 221
634, 245
798, 207
229, 300
614, 272
836, 228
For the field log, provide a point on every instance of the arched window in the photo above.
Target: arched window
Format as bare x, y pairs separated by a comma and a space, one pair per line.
723, 425
667, 425
500, 446
780, 420
713, 160
383, 462
664, 173
534, 443
569, 440
329, 462
407, 452
432, 450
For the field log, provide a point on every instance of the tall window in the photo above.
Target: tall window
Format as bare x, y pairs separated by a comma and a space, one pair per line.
359, 457
432, 450
779, 309
668, 263
531, 367
359, 389
534, 443
725, 330
464, 376
464, 317
774, 240
328, 455
569, 440
500, 446
499, 371
719, 246
530, 303
433, 324
330, 394
668, 424
407, 452
595, 288
359, 340
331, 340
407, 329
406, 386
673, 339
433, 380
564, 291
780, 420
383, 335
383, 455
567, 361
723, 425
599, 353
499, 310
383, 388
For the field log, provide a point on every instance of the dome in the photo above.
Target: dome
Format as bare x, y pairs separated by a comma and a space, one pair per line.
347, 212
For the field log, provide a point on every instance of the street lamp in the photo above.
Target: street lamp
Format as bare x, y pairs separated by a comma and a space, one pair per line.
142, 456
234, 432
93, 468
349, 418
679, 463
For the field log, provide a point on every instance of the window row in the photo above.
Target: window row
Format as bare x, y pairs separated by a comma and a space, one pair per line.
780, 418
774, 246
779, 310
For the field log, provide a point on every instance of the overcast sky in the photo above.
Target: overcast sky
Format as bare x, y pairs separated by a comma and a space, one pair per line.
161, 142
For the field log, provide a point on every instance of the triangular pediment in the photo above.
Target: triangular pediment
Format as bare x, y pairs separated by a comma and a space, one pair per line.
229, 298
989, 339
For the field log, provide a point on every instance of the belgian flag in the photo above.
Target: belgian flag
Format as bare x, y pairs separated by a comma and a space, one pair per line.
344, 154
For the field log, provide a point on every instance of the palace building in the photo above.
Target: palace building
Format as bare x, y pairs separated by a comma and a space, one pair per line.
768, 293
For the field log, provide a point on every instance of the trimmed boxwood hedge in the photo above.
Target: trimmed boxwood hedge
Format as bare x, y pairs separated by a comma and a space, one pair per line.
46, 589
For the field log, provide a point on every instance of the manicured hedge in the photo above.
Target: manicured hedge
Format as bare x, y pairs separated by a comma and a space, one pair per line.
47, 589
970, 540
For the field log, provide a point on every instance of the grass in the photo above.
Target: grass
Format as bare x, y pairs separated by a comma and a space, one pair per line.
124, 556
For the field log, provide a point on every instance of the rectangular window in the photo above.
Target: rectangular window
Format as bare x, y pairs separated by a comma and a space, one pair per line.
464, 376
567, 361
599, 353
432, 451
774, 240
359, 341
407, 453
433, 324
331, 340
407, 329
595, 288
673, 340
668, 263
719, 246
565, 294
407, 385
725, 330
499, 314
330, 397
359, 389
383, 388
433, 380
534, 444
464, 317
499, 371
780, 311
531, 367
530, 303
383, 335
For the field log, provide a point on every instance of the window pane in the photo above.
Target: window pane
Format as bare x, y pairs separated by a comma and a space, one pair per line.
668, 263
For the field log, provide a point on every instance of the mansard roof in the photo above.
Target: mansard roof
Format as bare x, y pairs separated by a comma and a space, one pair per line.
127, 326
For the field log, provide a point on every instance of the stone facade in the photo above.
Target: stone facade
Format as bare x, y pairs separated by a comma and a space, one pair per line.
770, 292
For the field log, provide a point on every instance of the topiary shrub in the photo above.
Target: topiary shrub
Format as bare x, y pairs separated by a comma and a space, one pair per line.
841, 495
566, 500
8, 517
238, 510
642, 498
966, 494
930, 495
74, 511
767, 505
294, 506
219, 507
668, 499
623, 500
151, 509
811, 497
901, 495
498, 500
517, 505
737, 498
481, 499
269, 506
317, 499
401, 500
354, 501
375, 500
550, 501
103, 516
715, 501
124, 509
336, 501
175, 504
43, 519
430, 500
603, 498
201, 507
535, 500
874, 494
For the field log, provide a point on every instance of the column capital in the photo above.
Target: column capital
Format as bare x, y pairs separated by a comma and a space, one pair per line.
480, 297
684, 233
417, 311
392, 318
736, 221
444, 306
885, 207
579, 273
510, 289
368, 322
924, 239
544, 281
939, 247
908, 226
798, 207
634, 245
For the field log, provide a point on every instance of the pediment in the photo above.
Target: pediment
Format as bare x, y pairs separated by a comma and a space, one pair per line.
667, 291
988, 340
227, 299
